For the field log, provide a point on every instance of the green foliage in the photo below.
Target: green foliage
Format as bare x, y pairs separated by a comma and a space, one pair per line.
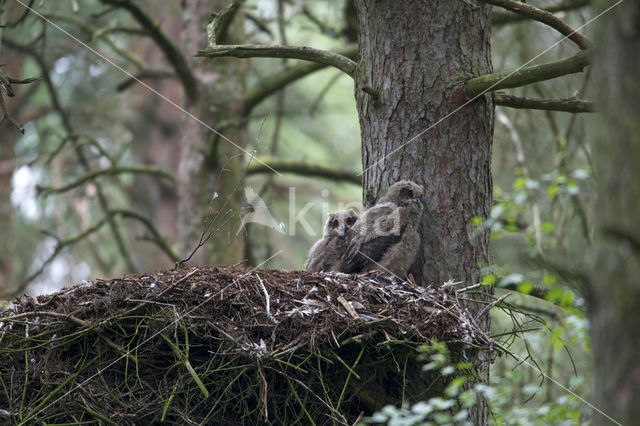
452, 407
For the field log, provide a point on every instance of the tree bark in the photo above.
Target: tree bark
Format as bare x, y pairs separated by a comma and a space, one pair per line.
615, 317
414, 60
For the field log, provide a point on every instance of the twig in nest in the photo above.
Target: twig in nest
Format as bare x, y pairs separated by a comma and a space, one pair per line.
267, 300
347, 305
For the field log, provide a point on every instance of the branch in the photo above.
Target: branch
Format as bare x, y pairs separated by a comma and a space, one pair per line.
617, 233
93, 174
566, 105
538, 292
303, 169
60, 245
324, 57
280, 79
543, 16
503, 18
66, 123
97, 33
145, 74
156, 236
22, 17
7, 116
527, 75
219, 23
171, 51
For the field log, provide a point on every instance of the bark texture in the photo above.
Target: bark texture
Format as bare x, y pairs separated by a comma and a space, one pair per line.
615, 326
414, 59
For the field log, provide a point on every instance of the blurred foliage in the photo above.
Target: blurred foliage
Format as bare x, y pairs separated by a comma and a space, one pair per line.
542, 170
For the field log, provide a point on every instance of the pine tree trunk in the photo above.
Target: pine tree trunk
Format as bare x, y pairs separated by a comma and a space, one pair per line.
615, 317
208, 164
413, 58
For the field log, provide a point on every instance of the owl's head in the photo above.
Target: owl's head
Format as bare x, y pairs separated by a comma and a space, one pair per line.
404, 193
339, 223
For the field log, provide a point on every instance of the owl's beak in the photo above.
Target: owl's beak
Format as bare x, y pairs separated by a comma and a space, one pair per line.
418, 201
342, 230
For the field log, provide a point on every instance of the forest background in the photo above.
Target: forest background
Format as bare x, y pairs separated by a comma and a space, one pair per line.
69, 217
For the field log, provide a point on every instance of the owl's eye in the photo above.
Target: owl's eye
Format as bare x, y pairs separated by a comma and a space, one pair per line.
333, 223
406, 193
351, 221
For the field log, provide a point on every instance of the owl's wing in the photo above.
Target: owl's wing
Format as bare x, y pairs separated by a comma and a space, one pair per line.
361, 254
316, 259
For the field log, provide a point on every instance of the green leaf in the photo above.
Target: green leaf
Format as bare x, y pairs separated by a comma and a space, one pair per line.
525, 287
554, 294
547, 226
489, 279
549, 279
520, 183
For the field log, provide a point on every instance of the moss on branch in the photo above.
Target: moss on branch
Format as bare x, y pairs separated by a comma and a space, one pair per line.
304, 169
305, 53
526, 75
543, 16
565, 105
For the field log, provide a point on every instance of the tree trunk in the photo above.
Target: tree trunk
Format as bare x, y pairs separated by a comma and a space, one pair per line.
413, 58
208, 164
615, 317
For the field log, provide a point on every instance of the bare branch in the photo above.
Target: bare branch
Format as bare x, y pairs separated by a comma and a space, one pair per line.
22, 17
543, 16
626, 236
66, 123
503, 18
304, 169
220, 22
96, 33
324, 57
156, 237
526, 75
325, 29
60, 245
7, 116
566, 105
149, 73
280, 79
111, 171
171, 51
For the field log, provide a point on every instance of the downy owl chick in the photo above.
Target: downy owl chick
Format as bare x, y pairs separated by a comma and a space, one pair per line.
325, 254
386, 236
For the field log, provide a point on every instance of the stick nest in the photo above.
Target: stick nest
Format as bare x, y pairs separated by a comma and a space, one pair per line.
224, 345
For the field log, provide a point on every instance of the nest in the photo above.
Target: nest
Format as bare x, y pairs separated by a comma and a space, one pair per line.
224, 345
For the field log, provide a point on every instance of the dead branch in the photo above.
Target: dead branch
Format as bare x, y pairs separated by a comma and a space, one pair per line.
565, 105
543, 16
303, 169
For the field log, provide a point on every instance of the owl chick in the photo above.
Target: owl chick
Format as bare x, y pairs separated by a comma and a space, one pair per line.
386, 236
325, 254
